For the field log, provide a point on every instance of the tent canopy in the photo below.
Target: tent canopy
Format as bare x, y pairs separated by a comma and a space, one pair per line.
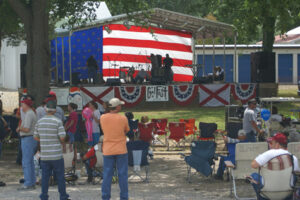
199, 27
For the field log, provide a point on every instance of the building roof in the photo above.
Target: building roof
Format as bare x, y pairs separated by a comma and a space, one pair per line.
162, 18
247, 46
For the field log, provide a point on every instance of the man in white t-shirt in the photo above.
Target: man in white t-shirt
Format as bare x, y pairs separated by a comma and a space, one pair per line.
277, 144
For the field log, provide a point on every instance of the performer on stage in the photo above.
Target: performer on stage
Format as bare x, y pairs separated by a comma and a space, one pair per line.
219, 73
168, 63
141, 76
92, 69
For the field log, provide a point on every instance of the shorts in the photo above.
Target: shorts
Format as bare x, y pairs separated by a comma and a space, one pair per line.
96, 138
72, 137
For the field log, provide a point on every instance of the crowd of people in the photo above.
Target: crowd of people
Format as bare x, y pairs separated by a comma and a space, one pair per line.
46, 135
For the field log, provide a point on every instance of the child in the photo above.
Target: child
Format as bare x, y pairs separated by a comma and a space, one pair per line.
37, 167
71, 124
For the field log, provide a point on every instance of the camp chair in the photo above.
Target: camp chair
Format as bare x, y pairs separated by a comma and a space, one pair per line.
278, 179
138, 157
70, 167
160, 128
294, 148
146, 131
233, 129
98, 170
133, 125
207, 131
201, 158
177, 133
190, 127
245, 153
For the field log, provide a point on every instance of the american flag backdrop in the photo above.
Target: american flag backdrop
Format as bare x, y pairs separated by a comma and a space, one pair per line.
123, 47
115, 46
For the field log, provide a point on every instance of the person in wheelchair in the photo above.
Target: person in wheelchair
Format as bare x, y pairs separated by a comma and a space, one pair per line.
90, 159
278, 146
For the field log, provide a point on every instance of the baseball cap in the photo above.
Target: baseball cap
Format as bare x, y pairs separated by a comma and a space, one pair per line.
114, 102
278, 137
51, 105
27, 101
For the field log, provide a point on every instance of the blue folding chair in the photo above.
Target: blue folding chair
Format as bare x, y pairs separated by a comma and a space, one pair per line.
201, 158
133, 125
138, 158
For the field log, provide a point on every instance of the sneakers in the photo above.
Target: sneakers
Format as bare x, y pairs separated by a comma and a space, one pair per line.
23, 188
2, 184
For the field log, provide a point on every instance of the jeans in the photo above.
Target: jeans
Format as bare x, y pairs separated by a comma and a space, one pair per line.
259, 186
96, 138
89, 171
221, 167
250, 137
59, 170
28, 145
109, 163
72, 137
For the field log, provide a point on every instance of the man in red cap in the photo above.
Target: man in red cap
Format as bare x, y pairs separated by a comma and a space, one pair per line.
278, 147
28, 144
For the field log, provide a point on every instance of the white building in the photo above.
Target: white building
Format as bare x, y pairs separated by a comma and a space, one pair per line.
10, 57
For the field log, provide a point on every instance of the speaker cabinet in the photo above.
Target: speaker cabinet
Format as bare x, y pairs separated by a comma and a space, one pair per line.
113, 82
263, 67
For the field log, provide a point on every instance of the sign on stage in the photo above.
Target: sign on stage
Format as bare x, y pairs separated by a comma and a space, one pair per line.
157, 93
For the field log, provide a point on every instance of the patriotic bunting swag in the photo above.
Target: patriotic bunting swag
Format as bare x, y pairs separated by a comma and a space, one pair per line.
183, 94
243, 92
132, 95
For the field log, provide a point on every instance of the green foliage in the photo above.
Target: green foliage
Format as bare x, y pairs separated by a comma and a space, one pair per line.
9, 24
257, 19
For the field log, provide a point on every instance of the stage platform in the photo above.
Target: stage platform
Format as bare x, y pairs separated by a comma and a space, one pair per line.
177, 94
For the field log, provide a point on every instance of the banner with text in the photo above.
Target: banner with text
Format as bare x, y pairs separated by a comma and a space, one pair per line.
157, 93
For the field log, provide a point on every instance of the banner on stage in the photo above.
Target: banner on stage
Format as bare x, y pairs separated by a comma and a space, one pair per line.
75, 97
157, 93
62, 95
97, 94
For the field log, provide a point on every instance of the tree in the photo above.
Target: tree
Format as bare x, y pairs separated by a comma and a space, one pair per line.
38, 17
256, 19
9, 24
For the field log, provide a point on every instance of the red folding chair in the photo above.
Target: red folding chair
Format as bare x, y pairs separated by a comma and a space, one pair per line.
160, 128
190, 128
177, 133
146, 131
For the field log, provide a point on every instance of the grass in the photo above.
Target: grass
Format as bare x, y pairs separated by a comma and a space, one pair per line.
203, 114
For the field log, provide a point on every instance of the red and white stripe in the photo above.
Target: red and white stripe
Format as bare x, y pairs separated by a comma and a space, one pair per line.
131, 47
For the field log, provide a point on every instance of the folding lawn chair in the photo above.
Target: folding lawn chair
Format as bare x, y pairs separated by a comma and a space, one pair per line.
201, 158
294, 148
245, 153
138, 158
98, 170
146, 132
190, 128
70, 167
207, 131
133, 125
278, 177
177, 133
160, 128
233, 129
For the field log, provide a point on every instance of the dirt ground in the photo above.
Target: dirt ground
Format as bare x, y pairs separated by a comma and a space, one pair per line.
167, 181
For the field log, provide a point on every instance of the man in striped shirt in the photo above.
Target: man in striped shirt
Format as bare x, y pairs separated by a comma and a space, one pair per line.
50, 132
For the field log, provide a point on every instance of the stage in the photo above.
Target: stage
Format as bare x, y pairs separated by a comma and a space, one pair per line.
178, 94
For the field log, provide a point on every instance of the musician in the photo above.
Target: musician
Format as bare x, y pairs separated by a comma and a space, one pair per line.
168, 63
141, 76
92, 69
219, 73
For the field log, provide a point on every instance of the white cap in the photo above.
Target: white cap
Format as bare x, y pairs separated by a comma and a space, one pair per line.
114, 102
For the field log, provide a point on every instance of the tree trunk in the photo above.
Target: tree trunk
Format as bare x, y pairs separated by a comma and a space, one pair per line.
268, 34
38, 52
36, 23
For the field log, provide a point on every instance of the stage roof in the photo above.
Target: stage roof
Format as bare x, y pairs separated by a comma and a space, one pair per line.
162, 18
